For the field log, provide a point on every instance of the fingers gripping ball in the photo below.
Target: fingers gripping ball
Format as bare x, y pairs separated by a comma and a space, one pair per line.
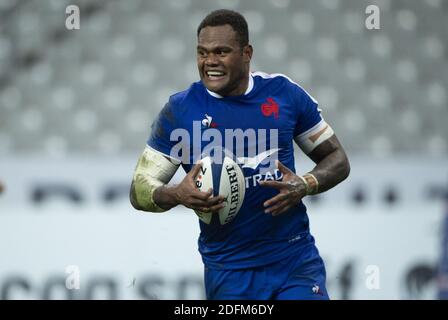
225, 178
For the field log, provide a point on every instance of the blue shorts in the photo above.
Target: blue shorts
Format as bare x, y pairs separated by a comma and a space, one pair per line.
301, 276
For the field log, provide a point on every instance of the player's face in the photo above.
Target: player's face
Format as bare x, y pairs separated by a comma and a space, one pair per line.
223, 64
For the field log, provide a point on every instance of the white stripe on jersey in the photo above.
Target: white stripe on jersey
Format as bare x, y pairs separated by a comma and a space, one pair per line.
308, 133
273, 75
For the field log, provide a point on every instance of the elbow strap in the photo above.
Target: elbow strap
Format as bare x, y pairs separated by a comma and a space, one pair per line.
310, 139
153, 171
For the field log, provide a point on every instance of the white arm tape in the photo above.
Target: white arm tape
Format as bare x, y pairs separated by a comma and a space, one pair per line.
157, 165
310, 139
153, 170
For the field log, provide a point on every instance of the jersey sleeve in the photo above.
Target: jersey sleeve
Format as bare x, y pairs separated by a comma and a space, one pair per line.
161, 130
309, 118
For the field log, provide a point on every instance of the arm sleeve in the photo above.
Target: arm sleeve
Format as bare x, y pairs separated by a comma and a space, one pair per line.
308, 116
161, 129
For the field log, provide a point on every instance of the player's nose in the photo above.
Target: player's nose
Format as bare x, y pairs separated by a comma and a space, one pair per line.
212, 60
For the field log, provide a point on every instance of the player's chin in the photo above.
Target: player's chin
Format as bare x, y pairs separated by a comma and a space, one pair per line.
216, 85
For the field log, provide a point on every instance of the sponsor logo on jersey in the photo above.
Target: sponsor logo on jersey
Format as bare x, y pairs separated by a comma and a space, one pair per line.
316, 290
254, 162
254, 180
207, 122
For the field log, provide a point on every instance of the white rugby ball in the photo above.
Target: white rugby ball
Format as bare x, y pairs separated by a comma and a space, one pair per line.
225, 178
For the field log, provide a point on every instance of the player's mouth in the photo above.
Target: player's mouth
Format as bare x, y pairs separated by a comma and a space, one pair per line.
214, 75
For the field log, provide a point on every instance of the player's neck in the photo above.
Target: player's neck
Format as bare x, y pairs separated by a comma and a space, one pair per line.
242, 87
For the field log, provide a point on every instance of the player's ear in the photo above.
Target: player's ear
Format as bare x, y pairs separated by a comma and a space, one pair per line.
247, 52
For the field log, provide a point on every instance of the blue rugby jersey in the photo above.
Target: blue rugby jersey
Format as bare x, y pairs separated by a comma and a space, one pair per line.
284, 110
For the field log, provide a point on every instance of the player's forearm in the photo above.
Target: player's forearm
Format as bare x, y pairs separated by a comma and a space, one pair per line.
166, 196
332, 166
331, 170
144, 195
153, 170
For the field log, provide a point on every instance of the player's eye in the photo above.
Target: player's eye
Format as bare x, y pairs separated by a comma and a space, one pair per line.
221, 53
202, 54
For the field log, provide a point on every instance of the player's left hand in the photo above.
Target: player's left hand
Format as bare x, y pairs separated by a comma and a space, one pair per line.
292, 190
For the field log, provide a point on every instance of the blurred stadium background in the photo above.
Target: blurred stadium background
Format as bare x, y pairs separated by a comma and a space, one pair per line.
75, 112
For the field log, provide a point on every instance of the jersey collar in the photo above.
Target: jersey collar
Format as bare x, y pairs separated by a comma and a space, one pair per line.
250, 86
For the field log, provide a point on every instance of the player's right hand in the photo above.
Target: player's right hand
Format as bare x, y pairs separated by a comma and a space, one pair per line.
188, 194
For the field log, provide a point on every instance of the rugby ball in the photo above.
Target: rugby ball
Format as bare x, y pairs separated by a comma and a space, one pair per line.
226, 178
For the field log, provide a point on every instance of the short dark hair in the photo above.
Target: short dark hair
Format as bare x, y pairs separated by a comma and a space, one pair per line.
230, 17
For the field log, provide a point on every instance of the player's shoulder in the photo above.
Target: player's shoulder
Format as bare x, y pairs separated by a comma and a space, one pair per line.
273, 78
180, 101
180, 97
283, 81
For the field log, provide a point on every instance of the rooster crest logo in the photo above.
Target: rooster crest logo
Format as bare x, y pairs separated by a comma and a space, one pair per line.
208, 122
